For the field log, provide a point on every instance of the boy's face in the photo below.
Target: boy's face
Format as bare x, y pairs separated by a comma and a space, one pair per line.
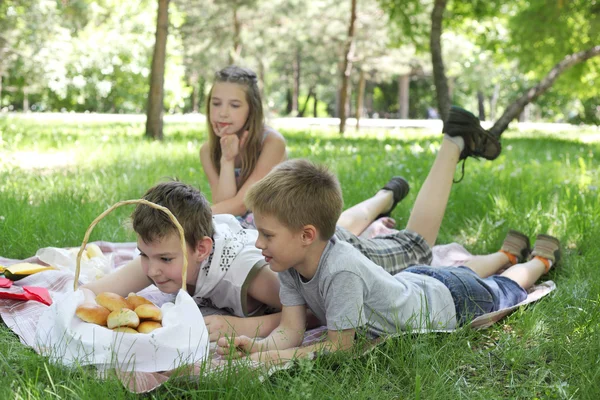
281, 247
228, 108
162, 261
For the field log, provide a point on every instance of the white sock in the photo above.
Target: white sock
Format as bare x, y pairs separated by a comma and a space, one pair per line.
457, 140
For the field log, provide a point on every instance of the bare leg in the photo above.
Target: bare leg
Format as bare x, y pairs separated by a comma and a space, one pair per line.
430, 205
526, 274
358, 217
488, 264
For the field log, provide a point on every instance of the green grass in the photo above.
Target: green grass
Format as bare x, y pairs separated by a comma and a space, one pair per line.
541, 183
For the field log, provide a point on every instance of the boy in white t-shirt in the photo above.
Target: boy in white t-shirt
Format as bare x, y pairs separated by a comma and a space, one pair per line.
225, 269
296, 207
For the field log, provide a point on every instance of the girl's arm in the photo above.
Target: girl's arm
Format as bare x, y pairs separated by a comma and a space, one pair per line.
222, 186
273, 153
127, 279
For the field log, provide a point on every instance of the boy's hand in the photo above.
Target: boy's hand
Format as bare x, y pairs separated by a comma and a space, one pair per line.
238, 346
220, 325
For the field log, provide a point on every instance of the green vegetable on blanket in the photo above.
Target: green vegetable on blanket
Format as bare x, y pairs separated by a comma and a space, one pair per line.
21, 270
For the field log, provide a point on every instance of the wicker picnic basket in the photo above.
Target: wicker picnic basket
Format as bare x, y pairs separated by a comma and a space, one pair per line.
183, 339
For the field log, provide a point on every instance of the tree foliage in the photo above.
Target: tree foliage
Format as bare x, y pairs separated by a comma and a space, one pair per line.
95, 55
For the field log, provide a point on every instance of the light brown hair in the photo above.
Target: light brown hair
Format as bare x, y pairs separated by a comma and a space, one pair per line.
255, 124
187, 204
298, 193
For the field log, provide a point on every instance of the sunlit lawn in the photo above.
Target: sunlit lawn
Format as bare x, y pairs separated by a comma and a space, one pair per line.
55, 178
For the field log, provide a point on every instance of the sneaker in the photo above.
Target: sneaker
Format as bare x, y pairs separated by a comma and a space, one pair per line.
478, 141
517, 244
548, 247
400, 188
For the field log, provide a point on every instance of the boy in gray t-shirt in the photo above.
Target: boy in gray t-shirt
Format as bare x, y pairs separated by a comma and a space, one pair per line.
296, 207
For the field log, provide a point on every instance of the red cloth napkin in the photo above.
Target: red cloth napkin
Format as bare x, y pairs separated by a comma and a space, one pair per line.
28, 293
5, 283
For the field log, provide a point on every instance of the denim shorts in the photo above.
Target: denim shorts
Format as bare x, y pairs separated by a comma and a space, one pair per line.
474, 296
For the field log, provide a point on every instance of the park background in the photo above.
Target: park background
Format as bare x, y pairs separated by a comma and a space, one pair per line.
75, 138
321, 58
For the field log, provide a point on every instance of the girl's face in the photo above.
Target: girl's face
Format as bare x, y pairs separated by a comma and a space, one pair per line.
228, 108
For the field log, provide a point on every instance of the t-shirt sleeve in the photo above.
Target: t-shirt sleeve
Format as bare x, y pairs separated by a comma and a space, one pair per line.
288, 291
344, 302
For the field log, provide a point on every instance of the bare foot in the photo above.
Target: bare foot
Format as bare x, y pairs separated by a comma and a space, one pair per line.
382, 226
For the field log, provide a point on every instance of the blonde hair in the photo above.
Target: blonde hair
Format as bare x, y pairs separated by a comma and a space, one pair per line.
298, 193
255, 123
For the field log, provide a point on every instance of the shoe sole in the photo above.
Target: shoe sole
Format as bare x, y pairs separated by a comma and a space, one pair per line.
557, 253
527, 250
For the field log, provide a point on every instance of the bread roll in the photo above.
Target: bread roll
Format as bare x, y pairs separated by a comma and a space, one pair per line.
135, 301
93, 313
149, 311
112, 301
123, 317
148, 326
125, 329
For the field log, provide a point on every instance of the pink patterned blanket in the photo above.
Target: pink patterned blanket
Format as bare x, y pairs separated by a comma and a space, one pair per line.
21, 317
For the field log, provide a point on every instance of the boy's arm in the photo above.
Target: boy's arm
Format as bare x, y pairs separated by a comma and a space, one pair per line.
229, 325
265, 287
288, 334
127, 279
225, 325
336, 341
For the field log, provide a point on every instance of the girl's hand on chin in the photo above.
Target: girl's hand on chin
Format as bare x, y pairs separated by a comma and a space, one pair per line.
230, 146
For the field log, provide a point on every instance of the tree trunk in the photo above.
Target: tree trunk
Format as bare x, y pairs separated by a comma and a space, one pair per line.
235, 53
530, 95
261, 77
194, 83
346, 68
349, 100
362, 82
315, 105
296, 82
154, 112
494, 101
439, 76
403, 86
288, 98
25, 100
480, 102
310, 94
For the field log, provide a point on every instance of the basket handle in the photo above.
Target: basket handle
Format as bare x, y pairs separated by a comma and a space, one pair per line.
122, 203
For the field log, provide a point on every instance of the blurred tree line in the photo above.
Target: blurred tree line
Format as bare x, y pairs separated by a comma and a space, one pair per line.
95, 55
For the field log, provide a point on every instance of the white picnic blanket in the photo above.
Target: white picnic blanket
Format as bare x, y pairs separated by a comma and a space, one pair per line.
22, 317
